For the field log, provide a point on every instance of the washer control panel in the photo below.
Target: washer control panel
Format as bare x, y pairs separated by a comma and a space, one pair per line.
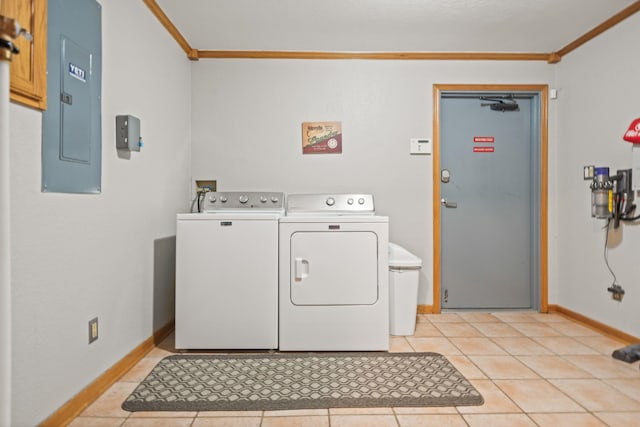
243, 200
340, 204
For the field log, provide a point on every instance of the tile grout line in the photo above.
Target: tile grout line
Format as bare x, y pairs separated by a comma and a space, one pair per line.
541, 377
488, 377
496, 385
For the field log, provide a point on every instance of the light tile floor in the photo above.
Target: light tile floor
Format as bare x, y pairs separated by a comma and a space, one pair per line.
532, 369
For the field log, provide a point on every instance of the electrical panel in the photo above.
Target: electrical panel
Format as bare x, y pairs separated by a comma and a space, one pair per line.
128, 133
71, 125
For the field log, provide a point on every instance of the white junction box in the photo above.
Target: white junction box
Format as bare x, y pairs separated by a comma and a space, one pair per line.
635, 153
420, 146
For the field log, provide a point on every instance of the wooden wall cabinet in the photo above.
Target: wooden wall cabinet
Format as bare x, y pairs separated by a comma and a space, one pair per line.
29, 67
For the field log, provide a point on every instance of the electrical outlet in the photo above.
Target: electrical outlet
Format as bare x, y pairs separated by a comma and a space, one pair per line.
616, 292
93, 330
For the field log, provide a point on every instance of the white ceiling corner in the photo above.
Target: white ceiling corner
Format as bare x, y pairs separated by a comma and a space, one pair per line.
531, 26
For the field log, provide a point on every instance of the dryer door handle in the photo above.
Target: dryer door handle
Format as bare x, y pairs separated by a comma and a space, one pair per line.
301, 269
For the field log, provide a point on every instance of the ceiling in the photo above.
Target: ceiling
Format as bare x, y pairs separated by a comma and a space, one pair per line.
531, 26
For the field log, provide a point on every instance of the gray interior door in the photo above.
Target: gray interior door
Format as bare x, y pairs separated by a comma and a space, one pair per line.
487, 207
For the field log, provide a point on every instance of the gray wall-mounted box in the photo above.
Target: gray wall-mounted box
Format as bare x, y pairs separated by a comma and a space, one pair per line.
128, 133
71, 125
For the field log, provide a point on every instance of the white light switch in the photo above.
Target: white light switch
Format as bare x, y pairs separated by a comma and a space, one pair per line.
420, 146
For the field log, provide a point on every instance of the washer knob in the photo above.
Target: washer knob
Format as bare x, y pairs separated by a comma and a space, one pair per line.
223, 199
361, 201
212, 199
263, 199
274, 199
243, 199
350, 201
331, 201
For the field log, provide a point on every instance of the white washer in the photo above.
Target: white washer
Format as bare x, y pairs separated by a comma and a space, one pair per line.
334, 278
227, 272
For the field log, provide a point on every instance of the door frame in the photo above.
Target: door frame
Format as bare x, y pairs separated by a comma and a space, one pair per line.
543, 91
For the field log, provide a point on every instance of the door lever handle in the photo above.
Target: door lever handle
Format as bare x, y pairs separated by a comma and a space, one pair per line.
448, 204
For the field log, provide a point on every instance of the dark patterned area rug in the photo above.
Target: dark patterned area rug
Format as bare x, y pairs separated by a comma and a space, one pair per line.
275, 381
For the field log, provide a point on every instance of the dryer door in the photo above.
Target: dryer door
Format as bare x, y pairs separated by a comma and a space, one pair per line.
334, 268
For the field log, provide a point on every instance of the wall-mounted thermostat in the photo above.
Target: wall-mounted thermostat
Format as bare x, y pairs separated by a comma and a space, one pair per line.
128, 133
420, 146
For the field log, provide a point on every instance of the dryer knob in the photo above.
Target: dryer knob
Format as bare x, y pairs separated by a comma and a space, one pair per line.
331, 201
350, 201
263, 199
223, 199
361, 201
212, 199
274, 199
243, 199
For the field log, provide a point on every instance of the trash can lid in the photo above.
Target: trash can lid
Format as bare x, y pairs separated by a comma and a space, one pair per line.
400, 258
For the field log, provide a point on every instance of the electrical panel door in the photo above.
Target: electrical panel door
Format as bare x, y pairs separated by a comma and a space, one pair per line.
75, 103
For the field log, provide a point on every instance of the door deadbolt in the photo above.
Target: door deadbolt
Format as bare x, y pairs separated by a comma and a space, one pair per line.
445, 175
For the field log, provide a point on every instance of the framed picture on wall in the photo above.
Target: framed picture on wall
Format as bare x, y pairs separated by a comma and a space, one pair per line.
321, 137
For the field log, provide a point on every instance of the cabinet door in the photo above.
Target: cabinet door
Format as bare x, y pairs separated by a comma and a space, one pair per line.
28, 68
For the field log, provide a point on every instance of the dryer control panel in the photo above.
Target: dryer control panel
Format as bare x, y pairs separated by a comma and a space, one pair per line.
339, 204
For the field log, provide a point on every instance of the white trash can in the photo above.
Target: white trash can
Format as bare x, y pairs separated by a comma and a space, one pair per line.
404, 269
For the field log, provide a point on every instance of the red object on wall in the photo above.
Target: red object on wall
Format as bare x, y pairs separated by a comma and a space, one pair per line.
483, 149
633, 133
483, 139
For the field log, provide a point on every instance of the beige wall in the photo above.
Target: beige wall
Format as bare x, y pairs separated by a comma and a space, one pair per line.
80, 256
246, 129
598, 97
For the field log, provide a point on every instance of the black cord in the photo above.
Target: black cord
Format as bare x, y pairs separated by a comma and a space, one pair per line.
606, 257
197, 200
635, 218
624, 216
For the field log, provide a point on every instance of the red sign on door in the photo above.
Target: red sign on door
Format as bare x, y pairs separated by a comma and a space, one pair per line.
483, 139
483, 149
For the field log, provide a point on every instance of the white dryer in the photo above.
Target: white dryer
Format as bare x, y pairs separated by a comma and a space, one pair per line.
334, 278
